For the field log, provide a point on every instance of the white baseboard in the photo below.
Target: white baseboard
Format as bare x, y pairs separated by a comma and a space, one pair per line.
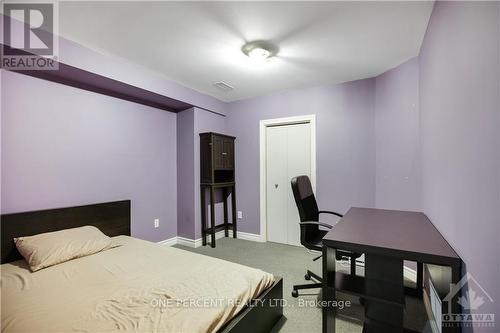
188, 242
194, 243
250, 237
169, 242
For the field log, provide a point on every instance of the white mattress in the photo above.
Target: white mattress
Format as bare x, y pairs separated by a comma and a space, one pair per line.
139, 286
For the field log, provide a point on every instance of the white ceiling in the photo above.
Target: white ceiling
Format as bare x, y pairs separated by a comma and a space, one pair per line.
199, 43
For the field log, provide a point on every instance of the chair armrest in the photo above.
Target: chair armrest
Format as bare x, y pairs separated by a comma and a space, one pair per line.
329, 212
317, 223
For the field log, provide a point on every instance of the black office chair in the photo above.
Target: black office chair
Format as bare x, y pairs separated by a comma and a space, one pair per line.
310, 234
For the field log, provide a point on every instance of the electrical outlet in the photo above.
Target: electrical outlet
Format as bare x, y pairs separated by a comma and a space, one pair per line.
157, 223
240, 214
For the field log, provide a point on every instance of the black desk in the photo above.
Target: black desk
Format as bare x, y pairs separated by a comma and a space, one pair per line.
386, 238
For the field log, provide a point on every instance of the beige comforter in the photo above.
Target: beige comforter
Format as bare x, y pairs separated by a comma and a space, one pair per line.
139, 286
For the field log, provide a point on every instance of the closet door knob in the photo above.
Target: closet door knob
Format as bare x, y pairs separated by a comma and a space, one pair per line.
275, 185
224, 153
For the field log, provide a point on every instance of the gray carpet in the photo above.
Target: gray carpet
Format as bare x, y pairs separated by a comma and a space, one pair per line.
291, 262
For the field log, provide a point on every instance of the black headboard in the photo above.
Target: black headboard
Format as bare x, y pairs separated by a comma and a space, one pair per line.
112, 218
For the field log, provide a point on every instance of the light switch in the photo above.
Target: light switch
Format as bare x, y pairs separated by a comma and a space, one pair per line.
157, 223
240, 214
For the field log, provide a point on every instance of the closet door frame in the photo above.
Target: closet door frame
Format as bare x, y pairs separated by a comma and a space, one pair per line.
311, 119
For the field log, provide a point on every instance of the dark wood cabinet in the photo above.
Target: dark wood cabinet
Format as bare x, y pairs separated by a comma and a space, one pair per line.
217, 172
216, 158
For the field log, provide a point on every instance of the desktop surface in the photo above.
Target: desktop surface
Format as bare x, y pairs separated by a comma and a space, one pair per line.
400, 232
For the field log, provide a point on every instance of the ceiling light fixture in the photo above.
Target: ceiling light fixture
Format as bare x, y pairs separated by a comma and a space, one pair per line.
260, 50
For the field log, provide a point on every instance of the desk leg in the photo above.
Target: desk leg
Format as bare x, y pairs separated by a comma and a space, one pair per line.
384, 276
203, 216
328, 292
226, 221
212, 215
233, 209
420, 279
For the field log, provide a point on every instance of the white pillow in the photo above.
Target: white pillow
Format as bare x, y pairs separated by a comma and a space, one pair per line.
51, 248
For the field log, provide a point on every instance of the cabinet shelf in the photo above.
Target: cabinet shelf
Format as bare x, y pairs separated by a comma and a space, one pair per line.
356, 286
220, 227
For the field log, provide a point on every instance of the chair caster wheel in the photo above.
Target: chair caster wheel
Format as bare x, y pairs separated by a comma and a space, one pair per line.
307, 277
295, 293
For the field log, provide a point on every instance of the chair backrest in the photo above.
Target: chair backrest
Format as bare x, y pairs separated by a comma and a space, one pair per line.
308, 208
304, 198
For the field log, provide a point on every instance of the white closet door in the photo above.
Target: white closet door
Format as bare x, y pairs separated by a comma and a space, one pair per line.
299, 163
276, 184
288, 154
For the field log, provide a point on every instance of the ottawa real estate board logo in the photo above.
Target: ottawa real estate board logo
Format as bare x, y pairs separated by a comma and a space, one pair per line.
29, 36
474, 300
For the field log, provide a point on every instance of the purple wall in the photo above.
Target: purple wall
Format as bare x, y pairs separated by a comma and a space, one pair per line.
344, 144
63, 146
190, 124
143, 166
185, 174
205, 122
398, 179
147, 206
459, 88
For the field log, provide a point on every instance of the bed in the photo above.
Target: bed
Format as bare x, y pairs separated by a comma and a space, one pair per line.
137, 286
